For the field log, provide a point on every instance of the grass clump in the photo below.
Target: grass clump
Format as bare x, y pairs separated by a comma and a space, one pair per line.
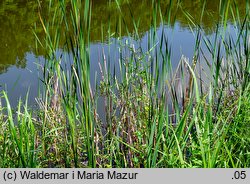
155, 115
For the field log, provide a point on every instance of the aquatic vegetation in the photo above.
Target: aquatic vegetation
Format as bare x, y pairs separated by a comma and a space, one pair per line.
155, 115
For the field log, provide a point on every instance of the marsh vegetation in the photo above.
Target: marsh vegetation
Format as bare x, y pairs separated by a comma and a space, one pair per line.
155, 113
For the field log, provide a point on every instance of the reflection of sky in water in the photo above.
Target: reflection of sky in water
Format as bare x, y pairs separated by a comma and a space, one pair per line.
17, 80
180, 40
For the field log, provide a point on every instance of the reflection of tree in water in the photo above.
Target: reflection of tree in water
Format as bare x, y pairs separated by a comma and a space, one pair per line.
142, 13
3, 69
17, 19
16, 38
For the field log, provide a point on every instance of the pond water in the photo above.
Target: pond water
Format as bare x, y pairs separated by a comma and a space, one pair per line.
20, 57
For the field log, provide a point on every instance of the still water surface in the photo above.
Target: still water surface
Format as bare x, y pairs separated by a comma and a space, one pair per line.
20, 57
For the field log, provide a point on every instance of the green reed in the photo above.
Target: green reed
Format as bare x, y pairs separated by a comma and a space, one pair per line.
194, 115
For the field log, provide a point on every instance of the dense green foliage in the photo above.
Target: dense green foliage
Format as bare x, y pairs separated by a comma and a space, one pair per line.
155, 115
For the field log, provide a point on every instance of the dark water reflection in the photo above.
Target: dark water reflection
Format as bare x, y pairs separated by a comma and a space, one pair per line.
18, 70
